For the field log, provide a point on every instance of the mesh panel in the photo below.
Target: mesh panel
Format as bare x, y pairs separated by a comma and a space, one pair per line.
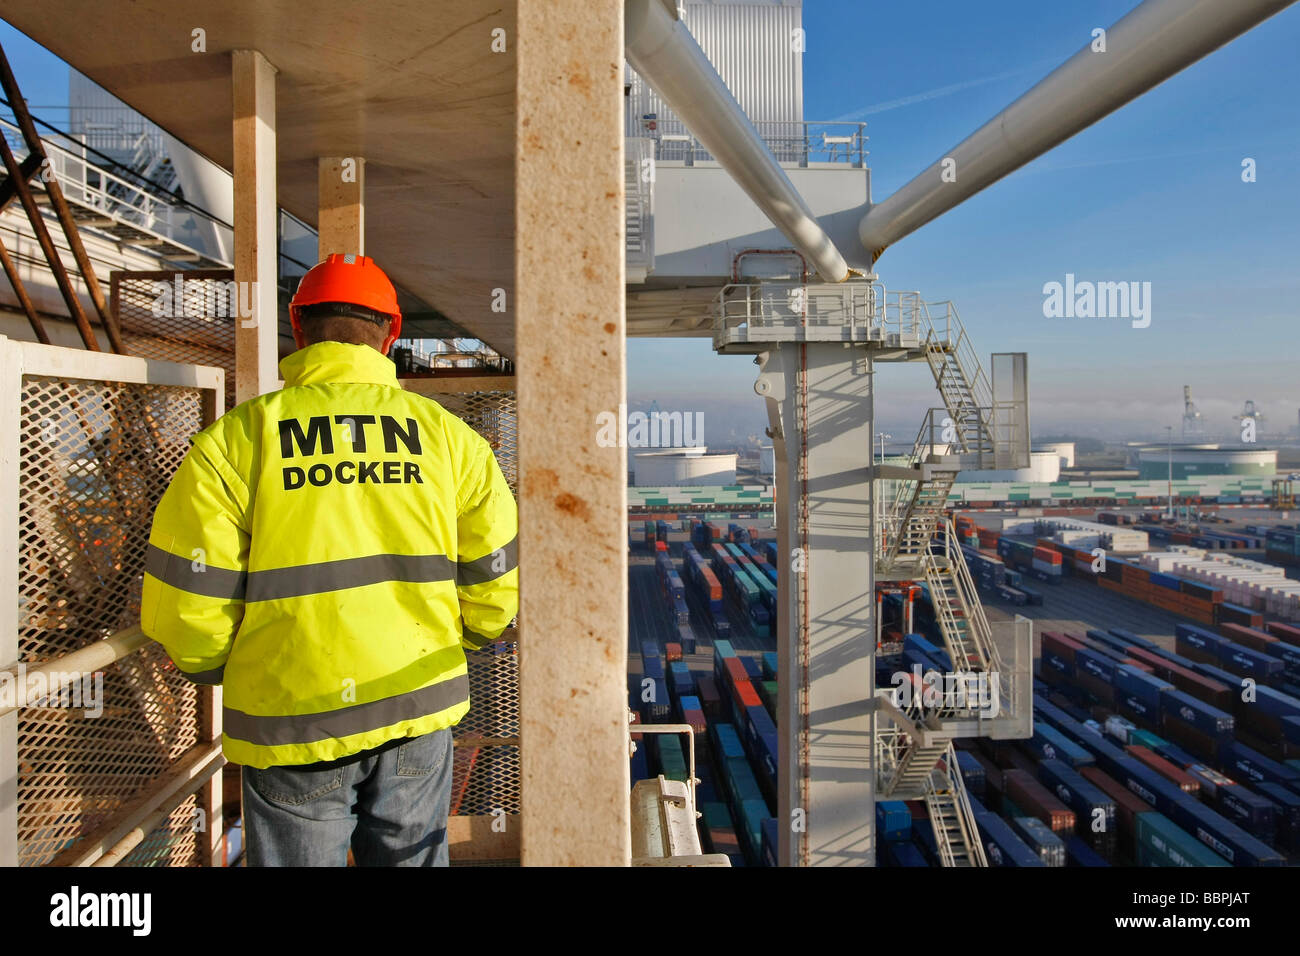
492, 415
95, 459
175, 843
487, 778
191, 323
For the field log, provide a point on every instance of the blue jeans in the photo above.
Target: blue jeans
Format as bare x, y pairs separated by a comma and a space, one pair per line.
391, 807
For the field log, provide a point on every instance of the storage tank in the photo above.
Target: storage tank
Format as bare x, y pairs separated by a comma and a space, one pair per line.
1044, 466
682, 466
1063, 449
1197, 461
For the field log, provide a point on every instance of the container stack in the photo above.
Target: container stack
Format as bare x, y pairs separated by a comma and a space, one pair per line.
1220, 766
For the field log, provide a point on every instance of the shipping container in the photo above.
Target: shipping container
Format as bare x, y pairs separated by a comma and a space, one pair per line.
1041, 840
1175, 775
1035, 800
1001, 845
1078, 853
1161, 843
1248, 765
893, 821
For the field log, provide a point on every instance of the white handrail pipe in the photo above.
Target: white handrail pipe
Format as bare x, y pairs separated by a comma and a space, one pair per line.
1153, 42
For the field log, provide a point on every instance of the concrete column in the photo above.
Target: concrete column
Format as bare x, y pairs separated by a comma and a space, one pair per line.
820, 412
256, 253
569, 320
341, 221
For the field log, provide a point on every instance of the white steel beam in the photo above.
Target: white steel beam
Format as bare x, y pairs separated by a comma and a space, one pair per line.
1145, 48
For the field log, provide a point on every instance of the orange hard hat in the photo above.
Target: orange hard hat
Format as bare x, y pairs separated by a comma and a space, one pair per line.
352, 279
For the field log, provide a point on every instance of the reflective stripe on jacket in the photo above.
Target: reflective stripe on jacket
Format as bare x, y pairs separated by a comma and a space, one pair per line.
323, 552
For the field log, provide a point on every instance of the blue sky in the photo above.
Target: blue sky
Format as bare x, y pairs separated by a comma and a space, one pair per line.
1152, 193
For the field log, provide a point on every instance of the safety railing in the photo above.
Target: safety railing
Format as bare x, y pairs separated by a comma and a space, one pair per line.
944, 328
91, 186
977, 625
798, 143
965, 813
638, 212
132, 780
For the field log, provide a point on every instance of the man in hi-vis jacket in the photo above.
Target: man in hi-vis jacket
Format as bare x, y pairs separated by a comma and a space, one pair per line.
325, 553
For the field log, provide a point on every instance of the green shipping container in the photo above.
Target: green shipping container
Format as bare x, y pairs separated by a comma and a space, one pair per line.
1146, 739
1161, 843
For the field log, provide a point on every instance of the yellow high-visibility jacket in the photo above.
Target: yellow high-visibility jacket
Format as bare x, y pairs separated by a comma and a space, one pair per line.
323, 552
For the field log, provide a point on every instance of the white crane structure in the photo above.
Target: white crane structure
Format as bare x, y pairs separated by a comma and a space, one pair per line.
791, 279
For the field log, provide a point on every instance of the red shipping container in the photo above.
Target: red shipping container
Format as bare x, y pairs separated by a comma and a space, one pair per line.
1285, 632
746, 694
1128, 805
1175, 775
1060, 644
672, 651
736, 672
696, 720
712, 583
1036, 800
635, 718
1248, 637
661, 545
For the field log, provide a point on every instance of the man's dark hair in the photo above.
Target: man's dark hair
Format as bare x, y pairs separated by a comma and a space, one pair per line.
343, 322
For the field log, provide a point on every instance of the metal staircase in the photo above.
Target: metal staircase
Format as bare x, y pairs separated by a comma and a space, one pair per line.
960, 377
951, 817
929, 772
957, 608
960, 435
973, 429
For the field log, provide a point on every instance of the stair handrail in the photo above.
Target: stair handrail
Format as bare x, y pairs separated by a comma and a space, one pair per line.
965, 812
974, 607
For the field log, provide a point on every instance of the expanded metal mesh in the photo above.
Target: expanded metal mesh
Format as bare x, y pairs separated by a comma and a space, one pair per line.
95, 459
175, 843
486, 778
492, 415
181, 316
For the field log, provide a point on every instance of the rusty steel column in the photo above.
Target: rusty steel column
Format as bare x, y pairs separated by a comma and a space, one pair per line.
61, 278
58, 202
256, 265
569, 320
20, 290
